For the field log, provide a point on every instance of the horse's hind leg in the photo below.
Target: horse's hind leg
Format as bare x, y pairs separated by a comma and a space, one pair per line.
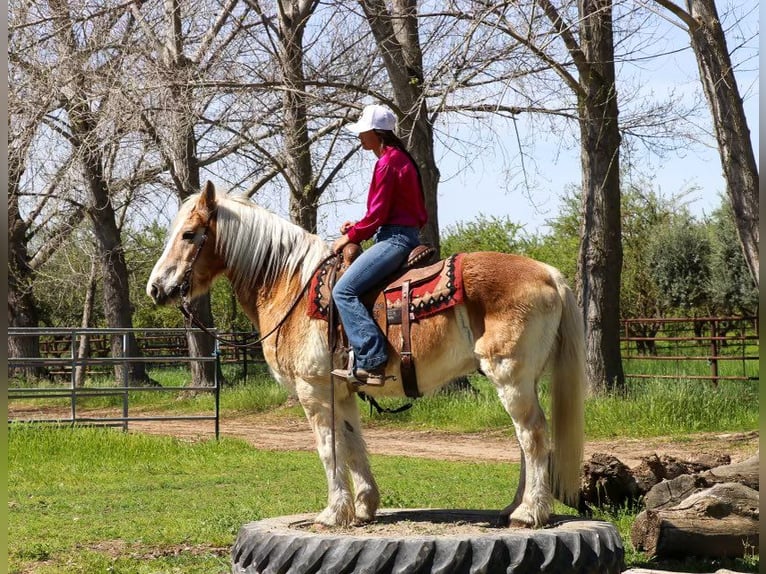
367, 495
518, 393
315, 400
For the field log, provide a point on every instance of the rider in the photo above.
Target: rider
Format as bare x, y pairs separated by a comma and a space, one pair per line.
395, 213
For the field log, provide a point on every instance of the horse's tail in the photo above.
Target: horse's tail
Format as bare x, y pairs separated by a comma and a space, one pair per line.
568, 389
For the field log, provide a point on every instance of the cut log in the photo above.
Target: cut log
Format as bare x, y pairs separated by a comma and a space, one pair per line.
745, 472
669, 493
654, 469
607, 482
718, 522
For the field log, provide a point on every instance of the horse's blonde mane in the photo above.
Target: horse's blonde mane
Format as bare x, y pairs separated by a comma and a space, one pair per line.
259, 247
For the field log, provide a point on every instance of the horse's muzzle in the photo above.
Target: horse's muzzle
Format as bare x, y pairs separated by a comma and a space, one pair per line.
162, 297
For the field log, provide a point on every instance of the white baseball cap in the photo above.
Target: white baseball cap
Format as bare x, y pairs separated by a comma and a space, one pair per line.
374, 117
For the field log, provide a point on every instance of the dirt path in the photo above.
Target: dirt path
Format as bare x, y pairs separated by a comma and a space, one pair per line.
271, 431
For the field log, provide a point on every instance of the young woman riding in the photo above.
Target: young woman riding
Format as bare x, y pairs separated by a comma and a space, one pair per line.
395, 214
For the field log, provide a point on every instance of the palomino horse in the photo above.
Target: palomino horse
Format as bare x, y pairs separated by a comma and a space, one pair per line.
517, 318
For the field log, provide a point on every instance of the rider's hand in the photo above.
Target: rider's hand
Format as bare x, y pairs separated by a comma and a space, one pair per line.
340, 243
346, 226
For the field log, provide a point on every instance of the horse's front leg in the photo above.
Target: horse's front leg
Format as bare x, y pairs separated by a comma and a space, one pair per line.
315, 400
349, 425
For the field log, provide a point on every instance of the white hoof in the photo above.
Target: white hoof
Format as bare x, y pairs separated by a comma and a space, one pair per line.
526, 516
332, 516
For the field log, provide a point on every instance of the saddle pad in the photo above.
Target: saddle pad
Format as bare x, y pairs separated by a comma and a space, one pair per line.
431, 296
319, 291
427, 297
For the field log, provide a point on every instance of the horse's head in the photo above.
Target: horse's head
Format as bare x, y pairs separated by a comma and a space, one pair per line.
188, 266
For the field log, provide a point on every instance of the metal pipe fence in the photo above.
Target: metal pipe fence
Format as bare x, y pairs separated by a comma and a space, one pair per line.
698, 348
70, 364
704, 348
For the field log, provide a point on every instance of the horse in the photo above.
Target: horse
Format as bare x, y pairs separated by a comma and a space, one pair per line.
517, 320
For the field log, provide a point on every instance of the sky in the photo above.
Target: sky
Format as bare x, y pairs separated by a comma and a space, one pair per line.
531, 196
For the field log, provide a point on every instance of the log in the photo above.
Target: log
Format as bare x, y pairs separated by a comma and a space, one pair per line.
671, 492
718, 522
745, 472
607, 482
654, 469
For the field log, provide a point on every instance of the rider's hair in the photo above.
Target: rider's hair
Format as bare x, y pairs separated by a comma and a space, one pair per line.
389, 139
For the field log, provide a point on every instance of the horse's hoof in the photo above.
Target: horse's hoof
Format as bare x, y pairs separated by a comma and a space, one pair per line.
516, 523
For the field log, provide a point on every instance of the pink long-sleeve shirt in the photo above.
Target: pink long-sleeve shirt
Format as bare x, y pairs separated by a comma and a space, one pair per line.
394, 198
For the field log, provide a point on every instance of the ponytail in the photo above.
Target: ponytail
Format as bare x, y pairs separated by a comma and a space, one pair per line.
389, 139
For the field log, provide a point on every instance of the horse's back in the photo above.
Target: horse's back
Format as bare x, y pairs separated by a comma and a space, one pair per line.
499, 282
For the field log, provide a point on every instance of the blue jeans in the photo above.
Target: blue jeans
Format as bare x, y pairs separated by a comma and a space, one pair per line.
393, 244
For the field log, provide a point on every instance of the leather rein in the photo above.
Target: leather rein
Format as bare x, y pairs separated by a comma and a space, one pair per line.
186, 288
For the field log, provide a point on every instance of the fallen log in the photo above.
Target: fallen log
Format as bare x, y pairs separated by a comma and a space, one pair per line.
671, 492
745, 472
606, 481
718, 522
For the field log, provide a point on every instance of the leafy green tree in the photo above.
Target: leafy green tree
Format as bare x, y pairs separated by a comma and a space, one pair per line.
560, 245
484, 234
679, 256
732, 291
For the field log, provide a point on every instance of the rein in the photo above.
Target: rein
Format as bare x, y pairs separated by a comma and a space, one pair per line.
187, 312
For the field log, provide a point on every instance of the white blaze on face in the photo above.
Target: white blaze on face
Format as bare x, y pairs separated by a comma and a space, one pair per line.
165, 275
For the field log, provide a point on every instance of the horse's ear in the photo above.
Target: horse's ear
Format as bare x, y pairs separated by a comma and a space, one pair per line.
207, 197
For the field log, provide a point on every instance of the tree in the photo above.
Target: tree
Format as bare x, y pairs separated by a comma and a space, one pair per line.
679, 261
731, 291
592, 57
729, 122
87, 117
483, 234
396, 35
177, 92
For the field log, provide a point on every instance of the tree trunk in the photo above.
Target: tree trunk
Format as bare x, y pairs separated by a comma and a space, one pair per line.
600, 257
730, 124
293, 17
22, 310
720, 522
185, 171
117, 307
87, 310
396, 35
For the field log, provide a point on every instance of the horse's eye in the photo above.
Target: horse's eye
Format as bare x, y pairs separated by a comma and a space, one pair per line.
188, 235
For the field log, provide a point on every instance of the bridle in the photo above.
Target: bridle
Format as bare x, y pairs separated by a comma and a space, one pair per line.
186, 288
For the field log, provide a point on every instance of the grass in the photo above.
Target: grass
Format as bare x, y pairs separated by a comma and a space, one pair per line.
85, 500
647, 408
97, 500
88, 500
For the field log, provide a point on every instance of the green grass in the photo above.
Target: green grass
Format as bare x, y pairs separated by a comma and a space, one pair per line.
84, 500
96, 500
646, 409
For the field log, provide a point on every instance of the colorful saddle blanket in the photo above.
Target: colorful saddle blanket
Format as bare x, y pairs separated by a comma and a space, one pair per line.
433, 289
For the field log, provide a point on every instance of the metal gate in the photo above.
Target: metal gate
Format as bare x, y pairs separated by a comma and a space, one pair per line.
68, 362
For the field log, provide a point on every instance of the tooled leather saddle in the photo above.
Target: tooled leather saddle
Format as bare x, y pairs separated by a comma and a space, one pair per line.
422, 289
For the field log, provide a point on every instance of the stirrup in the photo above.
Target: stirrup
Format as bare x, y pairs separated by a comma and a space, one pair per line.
350, 376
